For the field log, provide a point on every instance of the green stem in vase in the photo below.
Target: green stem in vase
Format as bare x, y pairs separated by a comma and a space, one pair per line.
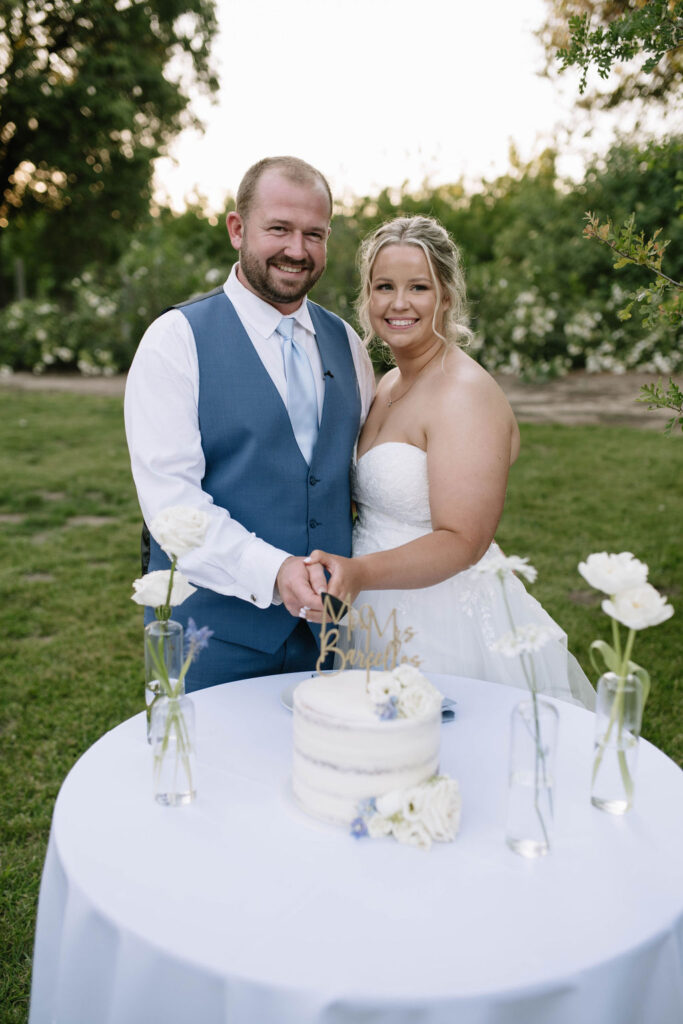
540, 766
175, 724
617, 712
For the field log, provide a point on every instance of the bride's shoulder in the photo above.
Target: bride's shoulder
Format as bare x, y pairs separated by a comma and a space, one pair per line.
467, 380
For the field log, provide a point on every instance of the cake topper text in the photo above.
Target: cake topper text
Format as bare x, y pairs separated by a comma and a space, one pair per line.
361, 626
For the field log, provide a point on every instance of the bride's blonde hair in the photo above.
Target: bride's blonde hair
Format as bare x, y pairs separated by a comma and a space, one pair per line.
445, 267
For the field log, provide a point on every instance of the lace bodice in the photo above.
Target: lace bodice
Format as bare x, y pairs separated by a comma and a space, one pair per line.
391, 491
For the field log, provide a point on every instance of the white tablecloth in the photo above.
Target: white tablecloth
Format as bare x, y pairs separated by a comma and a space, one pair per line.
239, 909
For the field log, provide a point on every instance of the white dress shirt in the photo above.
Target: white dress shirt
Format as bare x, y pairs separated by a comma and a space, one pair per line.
162, 428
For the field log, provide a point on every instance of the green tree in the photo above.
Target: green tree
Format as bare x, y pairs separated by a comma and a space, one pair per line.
90, 94
605, 33
637, 44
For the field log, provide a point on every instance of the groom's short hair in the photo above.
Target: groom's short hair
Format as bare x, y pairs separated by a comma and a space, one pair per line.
296, 170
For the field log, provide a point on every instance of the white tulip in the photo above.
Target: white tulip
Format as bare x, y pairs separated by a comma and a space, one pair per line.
612, 573
638, 607
151, 590
179, 529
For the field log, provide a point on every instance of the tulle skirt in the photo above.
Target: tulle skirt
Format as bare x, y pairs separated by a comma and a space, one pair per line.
456, 626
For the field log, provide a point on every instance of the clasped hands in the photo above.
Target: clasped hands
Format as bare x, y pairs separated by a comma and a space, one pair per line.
302, 581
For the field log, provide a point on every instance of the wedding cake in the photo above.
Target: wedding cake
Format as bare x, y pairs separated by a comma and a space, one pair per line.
359, 737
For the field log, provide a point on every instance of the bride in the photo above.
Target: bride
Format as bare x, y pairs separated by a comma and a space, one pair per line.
430, 476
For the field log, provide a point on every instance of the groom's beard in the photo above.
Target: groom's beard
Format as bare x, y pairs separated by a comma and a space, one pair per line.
261, 280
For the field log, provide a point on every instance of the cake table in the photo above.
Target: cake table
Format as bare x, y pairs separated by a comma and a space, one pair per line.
239, 909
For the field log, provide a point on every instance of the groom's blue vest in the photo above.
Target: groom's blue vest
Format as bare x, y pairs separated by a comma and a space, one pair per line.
254, 467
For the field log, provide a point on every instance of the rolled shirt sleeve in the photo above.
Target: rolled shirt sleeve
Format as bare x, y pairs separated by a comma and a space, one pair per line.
168, 466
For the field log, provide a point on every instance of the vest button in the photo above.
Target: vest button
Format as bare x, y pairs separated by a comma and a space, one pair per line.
313, 523
313, 480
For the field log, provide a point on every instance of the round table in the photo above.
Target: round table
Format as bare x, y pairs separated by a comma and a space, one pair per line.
239, 909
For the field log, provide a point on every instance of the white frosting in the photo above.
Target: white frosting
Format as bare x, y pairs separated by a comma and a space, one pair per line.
344, 752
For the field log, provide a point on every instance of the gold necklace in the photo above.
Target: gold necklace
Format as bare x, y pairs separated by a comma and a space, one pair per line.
393, 401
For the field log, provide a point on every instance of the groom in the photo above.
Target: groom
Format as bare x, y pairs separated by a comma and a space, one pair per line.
246, 402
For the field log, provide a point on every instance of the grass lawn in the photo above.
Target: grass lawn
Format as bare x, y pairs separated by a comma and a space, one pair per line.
71, 639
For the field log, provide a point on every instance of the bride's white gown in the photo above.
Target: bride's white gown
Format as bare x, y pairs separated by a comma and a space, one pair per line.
456, 621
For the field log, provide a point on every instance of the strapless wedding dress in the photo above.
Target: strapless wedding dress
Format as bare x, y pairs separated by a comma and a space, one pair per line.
457, 621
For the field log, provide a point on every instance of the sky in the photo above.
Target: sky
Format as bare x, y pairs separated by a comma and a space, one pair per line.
374, 93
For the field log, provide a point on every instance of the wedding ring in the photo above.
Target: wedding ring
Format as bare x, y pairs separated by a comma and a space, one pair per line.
303, 612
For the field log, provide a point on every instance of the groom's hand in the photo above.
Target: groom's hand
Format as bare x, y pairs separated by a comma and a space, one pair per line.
297, 585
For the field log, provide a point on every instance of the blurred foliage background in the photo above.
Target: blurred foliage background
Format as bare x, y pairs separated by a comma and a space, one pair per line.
91, 94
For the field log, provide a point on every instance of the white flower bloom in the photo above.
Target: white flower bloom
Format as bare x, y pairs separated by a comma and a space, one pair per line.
383, 685
408, 675
638, 607
378, 826
440, 813
419, 700
525, 639
499, 563
413, 802
612, 573
413, 833
179, 529
390, 803
151, 589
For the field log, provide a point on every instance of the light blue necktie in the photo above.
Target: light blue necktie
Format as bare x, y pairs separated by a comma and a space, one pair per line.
302, 401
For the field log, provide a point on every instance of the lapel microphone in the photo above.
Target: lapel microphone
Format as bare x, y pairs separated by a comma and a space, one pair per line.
329, 374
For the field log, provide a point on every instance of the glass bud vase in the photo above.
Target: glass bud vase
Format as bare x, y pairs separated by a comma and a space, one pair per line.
163, 662
533, 745
173, 749
618, 717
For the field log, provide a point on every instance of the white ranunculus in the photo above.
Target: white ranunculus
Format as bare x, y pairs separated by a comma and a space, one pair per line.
440, 812
412, 832
383, 685
378, 826
152, 589
179, 529
612, 573
419, 701
638, 607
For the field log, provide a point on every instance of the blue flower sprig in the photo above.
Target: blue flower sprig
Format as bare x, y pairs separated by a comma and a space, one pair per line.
366, 809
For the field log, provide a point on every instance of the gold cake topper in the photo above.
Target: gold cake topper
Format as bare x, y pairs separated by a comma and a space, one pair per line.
361, 625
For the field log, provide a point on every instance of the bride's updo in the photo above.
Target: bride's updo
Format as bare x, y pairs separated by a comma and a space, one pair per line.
445, 268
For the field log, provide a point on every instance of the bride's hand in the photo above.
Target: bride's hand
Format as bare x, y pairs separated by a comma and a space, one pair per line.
345, 578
